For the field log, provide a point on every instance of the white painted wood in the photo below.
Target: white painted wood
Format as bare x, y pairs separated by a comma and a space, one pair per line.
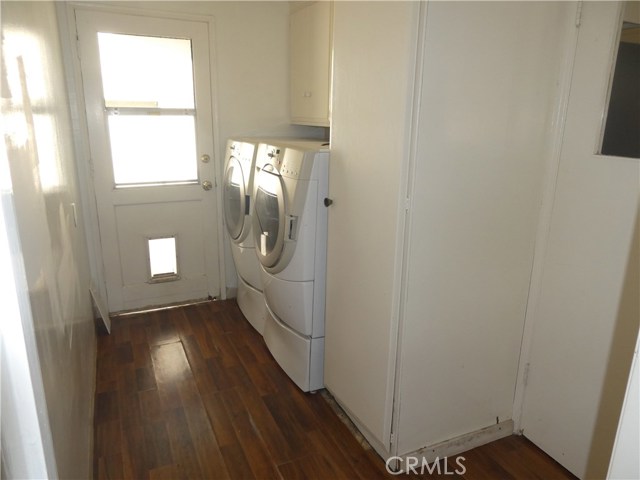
556, 136
477, 186
68, 43
624, 459
583, 270
129, 216
101, 307
369, 147
463, 443
474, 163
381, 448
310, 63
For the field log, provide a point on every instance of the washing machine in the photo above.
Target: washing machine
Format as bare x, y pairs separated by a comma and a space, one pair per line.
238, 206
290, 236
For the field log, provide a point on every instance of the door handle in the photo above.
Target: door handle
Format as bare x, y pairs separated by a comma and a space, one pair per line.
207, 185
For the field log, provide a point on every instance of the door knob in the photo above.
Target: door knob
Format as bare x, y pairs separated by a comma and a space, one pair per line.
207, 185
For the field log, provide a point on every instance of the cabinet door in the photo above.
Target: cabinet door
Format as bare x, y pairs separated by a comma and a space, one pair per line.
310, 64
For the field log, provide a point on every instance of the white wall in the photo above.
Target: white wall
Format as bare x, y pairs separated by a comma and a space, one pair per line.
250, 74
25, 435
489, 91
41, 160
374, 54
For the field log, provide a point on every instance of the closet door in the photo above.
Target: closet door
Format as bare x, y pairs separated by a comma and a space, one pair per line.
369, 147
487, 96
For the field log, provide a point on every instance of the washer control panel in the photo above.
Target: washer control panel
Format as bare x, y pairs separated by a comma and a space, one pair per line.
285, 160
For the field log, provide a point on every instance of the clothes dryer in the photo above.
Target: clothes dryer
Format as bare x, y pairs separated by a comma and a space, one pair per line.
290, 235
238, 206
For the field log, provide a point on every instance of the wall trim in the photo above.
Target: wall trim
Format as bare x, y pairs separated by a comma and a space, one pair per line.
84, 166
463, 443
403, 246
546, 210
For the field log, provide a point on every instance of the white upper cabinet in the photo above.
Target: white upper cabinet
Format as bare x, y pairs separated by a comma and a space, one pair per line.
311, 64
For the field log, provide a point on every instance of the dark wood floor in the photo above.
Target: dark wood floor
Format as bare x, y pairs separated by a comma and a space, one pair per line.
193, 393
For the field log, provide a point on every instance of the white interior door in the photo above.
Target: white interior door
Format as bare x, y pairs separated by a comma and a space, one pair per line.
147, 90
583, 330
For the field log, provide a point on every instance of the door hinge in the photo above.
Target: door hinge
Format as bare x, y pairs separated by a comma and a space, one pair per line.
407, 203
579, 14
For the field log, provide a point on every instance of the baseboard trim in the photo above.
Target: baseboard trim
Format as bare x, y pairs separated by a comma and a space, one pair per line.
463, 443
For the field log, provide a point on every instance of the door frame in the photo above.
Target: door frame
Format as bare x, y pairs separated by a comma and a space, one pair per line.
546, 211
85, 168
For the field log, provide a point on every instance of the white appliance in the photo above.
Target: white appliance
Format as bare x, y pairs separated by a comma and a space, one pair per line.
290, 234
238, 206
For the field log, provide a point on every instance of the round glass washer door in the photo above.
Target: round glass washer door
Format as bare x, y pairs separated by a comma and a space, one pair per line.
235, 201
268, 218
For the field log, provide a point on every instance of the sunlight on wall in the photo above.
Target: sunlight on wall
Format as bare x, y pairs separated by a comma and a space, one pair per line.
50, 247
25, 114
23, 455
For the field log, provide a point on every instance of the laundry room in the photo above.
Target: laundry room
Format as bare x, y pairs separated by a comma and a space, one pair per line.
320, 239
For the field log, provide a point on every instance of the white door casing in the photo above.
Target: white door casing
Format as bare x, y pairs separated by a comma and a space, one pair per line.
128, 217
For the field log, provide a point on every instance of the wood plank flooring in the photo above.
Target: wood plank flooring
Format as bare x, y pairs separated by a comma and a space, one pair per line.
193, 392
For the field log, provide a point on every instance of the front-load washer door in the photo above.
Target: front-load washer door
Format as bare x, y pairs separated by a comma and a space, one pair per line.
235, 200
269, 217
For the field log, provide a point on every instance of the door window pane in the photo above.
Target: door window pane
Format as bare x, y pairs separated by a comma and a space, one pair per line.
622, 128
146, 71
149, 101
153, 148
